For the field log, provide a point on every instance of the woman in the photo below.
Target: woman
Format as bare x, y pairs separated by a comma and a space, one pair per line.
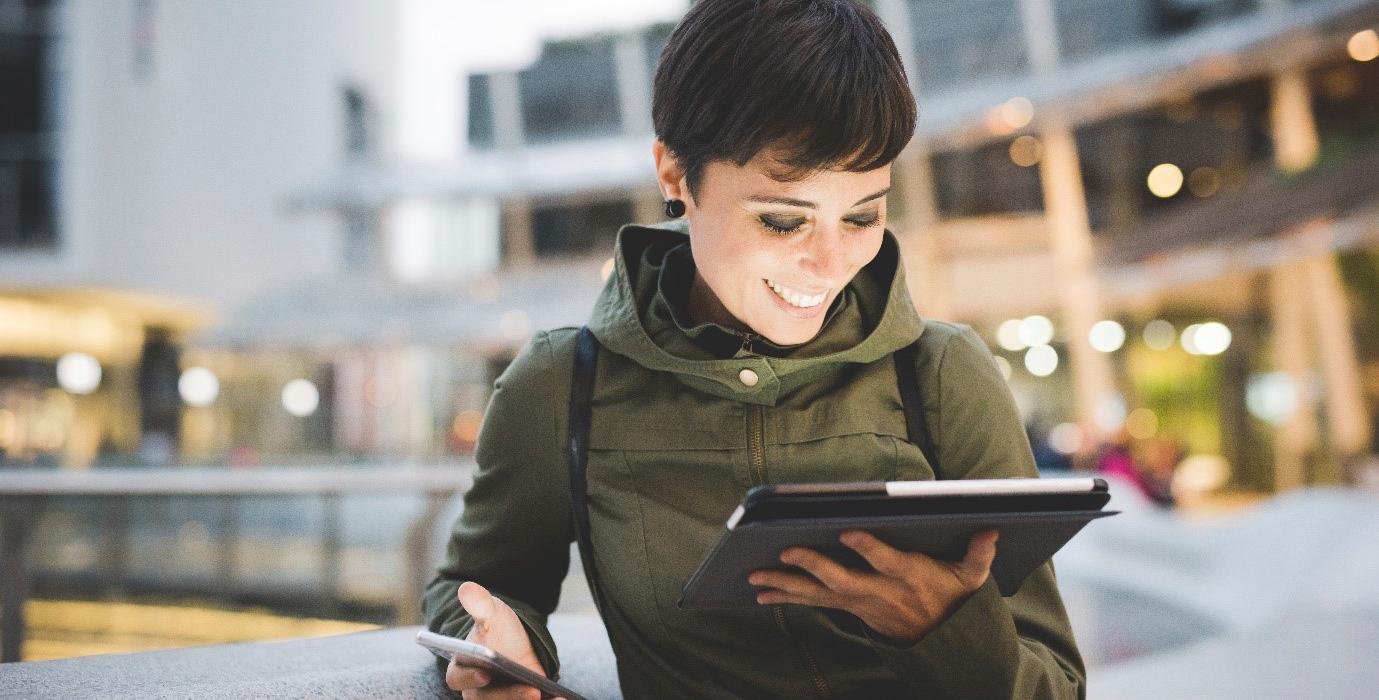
751, 341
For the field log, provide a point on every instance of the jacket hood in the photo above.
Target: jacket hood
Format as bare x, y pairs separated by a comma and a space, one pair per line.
875, 317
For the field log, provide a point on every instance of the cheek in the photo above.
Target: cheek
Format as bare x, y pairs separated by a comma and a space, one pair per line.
867, 248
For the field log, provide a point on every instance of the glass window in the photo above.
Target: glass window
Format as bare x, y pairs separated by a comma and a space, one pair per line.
957, 43
579, 229
22, 73
1090, 27
986, 180
27, 213
570, 92
480, 111
1345, 100
1210, 144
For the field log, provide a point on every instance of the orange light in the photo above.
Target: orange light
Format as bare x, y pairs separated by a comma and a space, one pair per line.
1026, 151
1363, 46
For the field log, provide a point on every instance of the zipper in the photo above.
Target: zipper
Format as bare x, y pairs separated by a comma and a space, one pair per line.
747, 339
756, 451
756, 439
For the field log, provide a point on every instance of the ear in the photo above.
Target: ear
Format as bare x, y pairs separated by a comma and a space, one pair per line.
670, 177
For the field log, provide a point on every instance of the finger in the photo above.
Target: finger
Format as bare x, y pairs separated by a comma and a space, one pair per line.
477, 601
981, 551
829, 572
773, 596
882, 557
464, 677
790, 583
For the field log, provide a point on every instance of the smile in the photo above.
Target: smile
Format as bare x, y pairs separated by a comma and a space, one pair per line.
795, 298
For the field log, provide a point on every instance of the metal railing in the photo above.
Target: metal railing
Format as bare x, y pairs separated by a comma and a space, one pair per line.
24, 495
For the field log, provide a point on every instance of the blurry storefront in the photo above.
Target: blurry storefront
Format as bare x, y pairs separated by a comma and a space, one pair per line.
89, 376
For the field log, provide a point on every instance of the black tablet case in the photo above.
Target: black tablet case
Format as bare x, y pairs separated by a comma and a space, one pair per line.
1027, 540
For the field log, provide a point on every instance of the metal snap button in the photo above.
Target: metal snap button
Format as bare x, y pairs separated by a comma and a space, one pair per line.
748, 377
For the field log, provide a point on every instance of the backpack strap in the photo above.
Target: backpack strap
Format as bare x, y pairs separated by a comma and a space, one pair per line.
581, 398
915, 424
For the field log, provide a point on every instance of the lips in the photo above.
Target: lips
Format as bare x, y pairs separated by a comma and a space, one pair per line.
797, 298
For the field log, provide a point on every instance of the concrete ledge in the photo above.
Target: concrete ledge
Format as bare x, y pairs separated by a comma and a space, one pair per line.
382, 664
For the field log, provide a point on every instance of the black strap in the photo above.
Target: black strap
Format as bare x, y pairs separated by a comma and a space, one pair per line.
581, 398
915, 425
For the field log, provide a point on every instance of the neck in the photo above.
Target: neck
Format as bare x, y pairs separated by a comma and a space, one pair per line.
704, 307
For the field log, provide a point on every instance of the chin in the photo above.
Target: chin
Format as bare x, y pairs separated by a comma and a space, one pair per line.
784, 335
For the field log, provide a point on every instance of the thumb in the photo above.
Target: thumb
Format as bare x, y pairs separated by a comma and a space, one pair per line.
981, 551
477, 601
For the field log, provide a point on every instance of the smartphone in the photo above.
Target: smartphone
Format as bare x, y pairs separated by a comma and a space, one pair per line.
499, 667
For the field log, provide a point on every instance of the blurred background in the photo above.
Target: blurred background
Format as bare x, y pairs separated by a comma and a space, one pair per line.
260, 262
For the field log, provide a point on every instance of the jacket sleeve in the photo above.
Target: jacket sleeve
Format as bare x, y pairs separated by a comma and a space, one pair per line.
991, 646
514, 534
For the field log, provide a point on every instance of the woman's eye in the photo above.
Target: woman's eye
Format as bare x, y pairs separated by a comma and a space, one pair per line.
864, 223
781, 226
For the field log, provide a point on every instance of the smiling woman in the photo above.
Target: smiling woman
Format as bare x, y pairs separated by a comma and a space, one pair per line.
765, 335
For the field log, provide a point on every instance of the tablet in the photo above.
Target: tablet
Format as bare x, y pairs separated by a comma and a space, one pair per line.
500, 667
1035, 518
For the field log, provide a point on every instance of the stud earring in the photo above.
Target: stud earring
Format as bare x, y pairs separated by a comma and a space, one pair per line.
675, 208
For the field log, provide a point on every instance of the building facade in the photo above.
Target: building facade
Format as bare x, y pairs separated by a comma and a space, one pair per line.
363, 197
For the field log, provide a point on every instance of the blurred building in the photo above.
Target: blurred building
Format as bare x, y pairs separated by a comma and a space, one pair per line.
352, 200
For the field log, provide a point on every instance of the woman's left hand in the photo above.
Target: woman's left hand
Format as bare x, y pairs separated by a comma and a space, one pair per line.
907, 596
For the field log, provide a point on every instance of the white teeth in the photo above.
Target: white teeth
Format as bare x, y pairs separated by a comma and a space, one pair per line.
795, 298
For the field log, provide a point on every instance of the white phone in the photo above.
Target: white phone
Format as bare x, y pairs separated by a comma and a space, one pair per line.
500, 667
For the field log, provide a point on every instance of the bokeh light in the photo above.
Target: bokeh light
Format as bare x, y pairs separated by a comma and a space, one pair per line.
1142, 423
1159, 334
1272, 397
1165, 180
1106, 336
1212, 338
1041, 360
1066, 438
1017, 112
1036, 330
300, 397
1109, 412
1008, 335
198, 387
1204, 181
78, 373
1201, 473
1363, 46
1026, 151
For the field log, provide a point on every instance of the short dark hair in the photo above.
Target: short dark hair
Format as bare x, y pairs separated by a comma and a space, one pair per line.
821, 80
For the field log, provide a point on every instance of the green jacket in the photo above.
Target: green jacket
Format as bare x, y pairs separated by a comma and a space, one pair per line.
677, 439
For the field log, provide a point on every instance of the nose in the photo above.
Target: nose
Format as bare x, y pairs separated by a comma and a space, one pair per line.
825, 254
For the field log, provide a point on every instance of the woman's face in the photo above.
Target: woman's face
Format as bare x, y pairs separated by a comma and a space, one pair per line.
772, 255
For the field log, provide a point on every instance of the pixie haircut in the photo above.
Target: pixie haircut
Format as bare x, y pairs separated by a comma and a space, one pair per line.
818, 81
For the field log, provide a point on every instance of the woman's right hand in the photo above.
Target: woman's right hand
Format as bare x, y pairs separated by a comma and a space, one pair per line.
497, 627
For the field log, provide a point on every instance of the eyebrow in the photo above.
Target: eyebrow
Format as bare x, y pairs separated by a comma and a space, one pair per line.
788, 201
